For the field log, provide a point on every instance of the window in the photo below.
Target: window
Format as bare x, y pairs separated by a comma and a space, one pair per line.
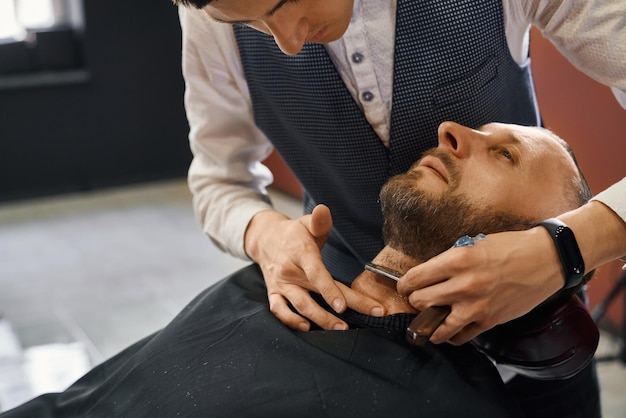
18, 17
40, 39
9, 28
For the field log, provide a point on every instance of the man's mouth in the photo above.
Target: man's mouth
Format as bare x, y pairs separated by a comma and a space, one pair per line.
318, 35
436, 165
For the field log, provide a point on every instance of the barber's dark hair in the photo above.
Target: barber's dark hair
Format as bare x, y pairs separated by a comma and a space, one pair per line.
198, 4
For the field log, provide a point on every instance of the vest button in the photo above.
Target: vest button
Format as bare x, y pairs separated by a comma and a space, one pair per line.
368, 96
357, 58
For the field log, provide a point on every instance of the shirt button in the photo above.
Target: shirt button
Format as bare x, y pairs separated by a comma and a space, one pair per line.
368, 96
357, 58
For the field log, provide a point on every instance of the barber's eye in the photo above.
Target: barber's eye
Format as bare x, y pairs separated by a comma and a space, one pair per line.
282, 3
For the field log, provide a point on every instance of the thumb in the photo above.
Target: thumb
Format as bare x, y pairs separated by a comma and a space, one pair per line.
320, 222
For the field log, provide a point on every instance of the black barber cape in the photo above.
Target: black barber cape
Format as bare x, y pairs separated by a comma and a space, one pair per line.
226, 355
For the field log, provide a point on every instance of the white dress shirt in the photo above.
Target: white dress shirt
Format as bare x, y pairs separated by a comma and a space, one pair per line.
226, 176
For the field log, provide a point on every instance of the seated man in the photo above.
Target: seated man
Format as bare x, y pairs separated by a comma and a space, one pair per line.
227, 355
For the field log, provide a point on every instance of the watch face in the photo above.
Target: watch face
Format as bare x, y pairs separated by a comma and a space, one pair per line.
570, 252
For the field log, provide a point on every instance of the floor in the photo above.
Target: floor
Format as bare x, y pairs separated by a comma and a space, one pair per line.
83, 276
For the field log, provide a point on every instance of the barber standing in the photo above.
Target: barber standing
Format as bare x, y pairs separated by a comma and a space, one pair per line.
351, 92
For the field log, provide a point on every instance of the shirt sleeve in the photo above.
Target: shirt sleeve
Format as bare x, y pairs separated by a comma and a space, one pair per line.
615, 198
226, 177
591, 34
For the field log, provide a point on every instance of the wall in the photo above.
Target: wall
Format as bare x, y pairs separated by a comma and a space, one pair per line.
124, 124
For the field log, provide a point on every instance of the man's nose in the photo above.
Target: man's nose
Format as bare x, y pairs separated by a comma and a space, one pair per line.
289, 36
455, 138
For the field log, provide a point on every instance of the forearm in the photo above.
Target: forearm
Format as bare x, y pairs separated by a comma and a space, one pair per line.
226, 177
228, 184
224, 210
599, 231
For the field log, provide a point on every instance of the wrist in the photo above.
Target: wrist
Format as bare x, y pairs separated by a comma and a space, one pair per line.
549, 259
258, 228
600, 233
572, 264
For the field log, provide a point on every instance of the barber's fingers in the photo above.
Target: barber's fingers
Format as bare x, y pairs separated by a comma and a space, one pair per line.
456, 331
468, 333
306, 307
320, 222
440, 268
297, 269
281, 310
290, 283
361, 303
471, 302
320, 281
336, 295
470, 310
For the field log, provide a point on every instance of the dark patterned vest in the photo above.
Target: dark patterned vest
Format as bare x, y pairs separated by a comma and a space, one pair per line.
452, 62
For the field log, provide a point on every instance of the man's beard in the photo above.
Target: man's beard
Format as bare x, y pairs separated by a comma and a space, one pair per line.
422, 226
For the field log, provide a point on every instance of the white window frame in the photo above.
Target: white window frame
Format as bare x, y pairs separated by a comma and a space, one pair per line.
64, 13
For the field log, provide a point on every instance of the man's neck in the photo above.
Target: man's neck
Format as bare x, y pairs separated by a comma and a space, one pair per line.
383, 289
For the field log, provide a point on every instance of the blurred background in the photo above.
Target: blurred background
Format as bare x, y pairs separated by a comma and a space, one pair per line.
98, 242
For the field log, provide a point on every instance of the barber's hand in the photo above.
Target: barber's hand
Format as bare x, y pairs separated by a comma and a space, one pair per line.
288, 251
499, 279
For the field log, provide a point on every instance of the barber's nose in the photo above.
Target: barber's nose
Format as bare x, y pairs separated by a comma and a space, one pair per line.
455, 138
289, 36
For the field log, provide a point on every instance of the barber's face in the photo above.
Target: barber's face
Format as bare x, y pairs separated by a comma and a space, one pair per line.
290, 22
515, 169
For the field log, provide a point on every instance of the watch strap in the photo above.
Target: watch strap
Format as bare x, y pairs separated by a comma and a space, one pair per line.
568, 251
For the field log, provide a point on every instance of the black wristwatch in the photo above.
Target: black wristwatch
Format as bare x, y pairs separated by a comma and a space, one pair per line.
567, 248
